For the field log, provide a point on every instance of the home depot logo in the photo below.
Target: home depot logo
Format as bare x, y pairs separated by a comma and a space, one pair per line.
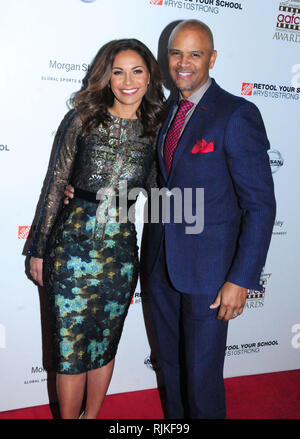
23, 232
156, 2
247, 89
275, 91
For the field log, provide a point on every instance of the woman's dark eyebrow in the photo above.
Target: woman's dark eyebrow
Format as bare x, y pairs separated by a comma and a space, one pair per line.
120, 68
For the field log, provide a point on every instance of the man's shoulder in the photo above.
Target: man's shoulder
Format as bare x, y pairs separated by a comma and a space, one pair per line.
230, 101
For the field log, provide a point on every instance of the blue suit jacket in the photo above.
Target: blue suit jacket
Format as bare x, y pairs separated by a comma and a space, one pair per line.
239, 202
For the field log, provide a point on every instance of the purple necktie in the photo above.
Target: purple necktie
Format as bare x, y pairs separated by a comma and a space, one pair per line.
174, 132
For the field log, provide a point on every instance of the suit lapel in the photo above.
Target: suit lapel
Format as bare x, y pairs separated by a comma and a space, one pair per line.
161, 139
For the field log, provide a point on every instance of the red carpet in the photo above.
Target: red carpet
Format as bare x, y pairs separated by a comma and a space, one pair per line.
267, 396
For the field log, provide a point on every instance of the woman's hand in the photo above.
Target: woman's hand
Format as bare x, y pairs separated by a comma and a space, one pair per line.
69, 192
36, 270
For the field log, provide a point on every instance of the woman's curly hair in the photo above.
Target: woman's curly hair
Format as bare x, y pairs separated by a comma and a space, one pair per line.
95, 97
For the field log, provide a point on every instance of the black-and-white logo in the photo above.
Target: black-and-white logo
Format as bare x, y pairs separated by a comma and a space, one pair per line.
235, 350
4, 148
276, 160
204, 6
63, 72
279, 228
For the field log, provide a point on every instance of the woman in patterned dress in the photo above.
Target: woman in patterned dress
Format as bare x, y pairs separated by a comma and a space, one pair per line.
88, 265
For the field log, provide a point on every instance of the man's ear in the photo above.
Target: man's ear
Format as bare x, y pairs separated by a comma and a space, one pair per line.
213, 58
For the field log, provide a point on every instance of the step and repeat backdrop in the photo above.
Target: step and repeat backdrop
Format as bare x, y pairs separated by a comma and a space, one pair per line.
46, 49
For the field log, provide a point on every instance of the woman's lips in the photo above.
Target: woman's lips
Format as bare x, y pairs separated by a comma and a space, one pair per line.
130, 91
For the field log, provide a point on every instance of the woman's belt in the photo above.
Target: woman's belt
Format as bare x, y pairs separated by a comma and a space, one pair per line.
91, 196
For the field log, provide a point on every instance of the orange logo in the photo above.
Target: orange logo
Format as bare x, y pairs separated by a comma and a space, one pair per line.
156, 2
23, 232
247, 88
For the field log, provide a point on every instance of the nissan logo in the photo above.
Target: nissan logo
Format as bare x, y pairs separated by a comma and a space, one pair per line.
276, 160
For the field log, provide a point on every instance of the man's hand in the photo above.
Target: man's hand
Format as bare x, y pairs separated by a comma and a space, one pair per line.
69, 192
231, 299
36, 270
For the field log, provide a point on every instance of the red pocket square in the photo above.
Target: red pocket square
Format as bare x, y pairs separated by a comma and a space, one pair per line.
201, 146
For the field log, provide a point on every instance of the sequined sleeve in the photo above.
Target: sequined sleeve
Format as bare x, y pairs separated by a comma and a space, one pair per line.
65, 147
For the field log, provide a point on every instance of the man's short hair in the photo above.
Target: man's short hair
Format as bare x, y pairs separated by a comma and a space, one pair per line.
193, 24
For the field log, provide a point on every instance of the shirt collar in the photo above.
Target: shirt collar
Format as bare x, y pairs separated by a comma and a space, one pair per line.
197, 96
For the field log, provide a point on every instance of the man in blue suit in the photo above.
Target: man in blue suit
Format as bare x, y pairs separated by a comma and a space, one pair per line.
199, 281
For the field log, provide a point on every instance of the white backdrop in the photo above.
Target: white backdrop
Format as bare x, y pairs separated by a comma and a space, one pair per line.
45, 49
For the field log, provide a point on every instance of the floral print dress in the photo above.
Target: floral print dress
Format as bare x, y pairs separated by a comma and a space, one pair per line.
90, 266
